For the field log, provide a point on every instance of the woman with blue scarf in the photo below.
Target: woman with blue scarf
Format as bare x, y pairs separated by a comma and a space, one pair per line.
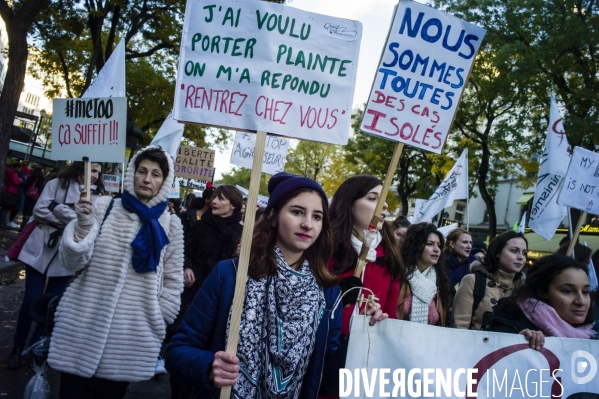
111, 321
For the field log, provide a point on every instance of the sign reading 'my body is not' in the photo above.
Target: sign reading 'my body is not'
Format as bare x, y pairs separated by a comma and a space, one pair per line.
89, 127
195, 163
258, 66
580, 189
421, 76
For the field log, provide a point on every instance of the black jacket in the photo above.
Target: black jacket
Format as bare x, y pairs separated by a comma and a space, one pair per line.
212, 239
506, 317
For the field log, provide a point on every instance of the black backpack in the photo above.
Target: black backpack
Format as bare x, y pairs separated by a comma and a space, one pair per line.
479, 290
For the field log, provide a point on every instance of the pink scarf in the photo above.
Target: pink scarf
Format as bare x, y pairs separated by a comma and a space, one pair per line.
550, 323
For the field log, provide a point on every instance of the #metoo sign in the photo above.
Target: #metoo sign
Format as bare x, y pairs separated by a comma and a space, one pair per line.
581, 183
89, 127
421, 76
259, 66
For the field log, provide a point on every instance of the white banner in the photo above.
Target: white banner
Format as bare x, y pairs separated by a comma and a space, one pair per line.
259, 66
275, 152
421, 76
262, 200
546, 214
89, 127
453, 187
580, 189
405, 359
199, 185
112, 183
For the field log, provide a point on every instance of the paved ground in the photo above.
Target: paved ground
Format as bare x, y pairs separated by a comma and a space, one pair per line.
13, 382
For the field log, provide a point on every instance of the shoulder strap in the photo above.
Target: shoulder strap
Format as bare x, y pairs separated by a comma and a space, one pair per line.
479, 289
108, 210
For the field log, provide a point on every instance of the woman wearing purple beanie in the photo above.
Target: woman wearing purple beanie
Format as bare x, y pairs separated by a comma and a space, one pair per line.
286, 331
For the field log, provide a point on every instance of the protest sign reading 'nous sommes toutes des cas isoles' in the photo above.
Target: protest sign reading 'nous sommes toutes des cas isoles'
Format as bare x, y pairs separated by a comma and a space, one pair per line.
259, 66
421, 76
275, 152
89, 127
581, 183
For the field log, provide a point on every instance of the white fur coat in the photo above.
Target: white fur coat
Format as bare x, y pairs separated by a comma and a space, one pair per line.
111, 322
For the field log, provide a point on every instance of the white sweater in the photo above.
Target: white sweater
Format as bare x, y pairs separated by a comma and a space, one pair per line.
111, 322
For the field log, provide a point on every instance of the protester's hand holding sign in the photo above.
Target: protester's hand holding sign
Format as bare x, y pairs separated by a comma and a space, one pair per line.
374, 309
85, 217
536, 339
225, 369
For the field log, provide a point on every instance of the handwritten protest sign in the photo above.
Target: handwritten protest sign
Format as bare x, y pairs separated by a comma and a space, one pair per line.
112, 183
175, 191
193, 183
421, 76
275, 153
259, 66
403, 359
89, 127
581, 183
194, 163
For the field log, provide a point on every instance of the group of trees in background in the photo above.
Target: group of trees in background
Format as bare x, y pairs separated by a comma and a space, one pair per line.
532, 48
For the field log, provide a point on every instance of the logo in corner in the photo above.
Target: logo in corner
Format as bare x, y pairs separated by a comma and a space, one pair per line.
340, 32
579, 366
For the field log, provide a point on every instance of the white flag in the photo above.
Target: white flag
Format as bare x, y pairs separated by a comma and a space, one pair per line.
453, 187
110, 82
445, 230
546, 214
557, 152
522, 225
169, 135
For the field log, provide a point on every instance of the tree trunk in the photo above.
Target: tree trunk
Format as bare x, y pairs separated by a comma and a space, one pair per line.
15, 76
483, 170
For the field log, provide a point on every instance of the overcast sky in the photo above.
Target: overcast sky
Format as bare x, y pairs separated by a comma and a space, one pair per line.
375, 16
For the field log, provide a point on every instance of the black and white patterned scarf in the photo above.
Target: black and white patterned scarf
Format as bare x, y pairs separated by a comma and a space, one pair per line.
277, 333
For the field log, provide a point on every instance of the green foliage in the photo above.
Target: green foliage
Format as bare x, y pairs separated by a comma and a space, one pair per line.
242, 176
310, 159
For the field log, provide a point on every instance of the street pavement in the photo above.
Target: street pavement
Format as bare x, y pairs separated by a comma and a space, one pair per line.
13, 382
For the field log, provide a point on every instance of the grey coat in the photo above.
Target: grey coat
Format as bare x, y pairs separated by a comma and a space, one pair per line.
36, 252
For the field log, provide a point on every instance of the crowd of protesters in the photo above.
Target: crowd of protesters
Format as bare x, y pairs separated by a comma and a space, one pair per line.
140, 271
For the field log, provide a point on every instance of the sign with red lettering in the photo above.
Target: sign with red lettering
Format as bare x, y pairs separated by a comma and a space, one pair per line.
259, 66
421, 76
89, 127
195, 163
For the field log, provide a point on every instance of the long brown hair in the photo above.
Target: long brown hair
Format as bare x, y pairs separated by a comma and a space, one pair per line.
411, 250
342, 222
263, 259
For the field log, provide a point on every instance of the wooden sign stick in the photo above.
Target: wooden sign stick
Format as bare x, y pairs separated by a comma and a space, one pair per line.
244, 256
87, 167
379, 206
574, 238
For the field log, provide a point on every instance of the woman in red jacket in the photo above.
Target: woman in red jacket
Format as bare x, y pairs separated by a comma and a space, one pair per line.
351, 211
